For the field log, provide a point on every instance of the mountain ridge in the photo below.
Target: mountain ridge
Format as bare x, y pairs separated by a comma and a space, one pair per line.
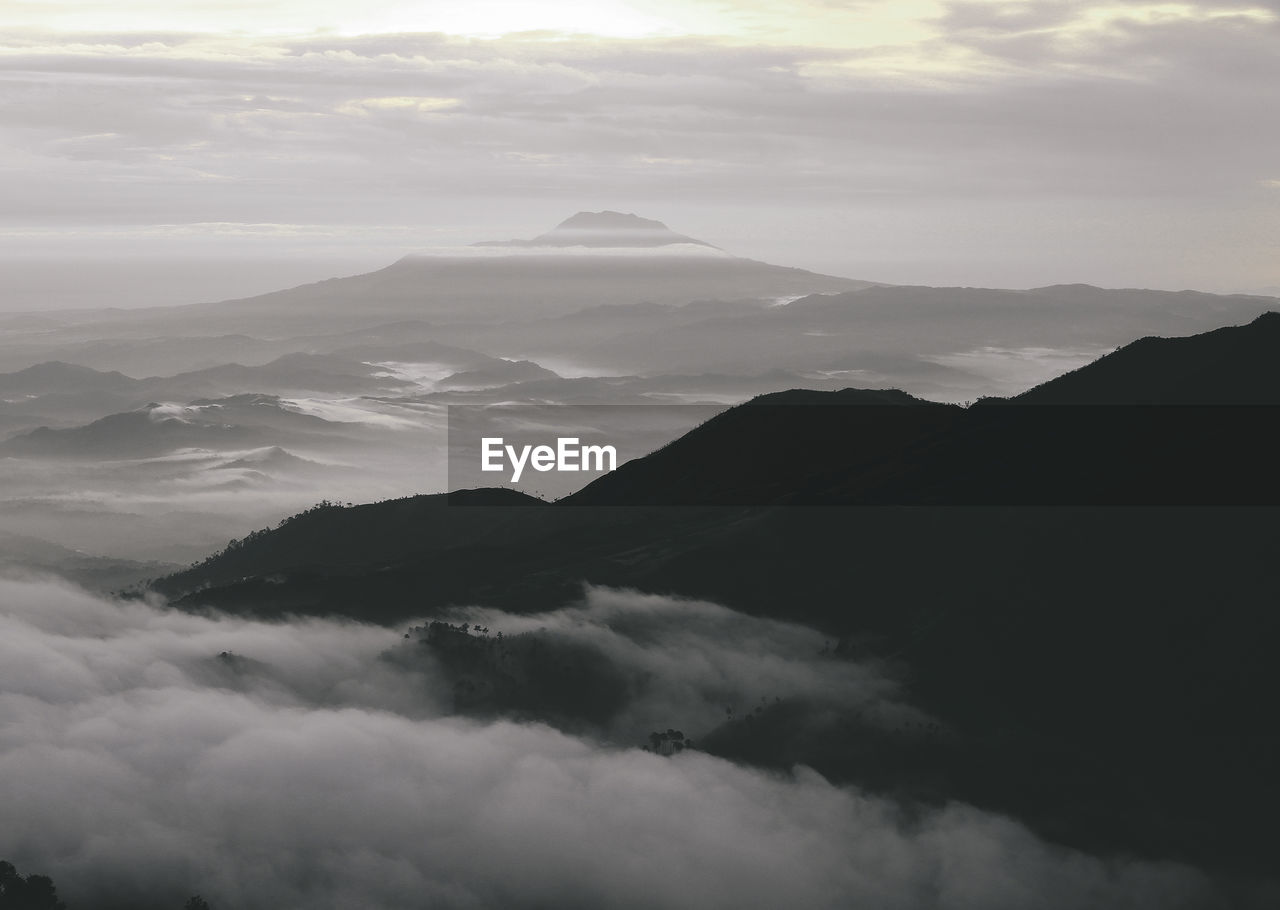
945, 450
1230, 365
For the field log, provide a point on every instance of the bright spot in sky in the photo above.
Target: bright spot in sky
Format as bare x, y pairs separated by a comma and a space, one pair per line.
481, 18
817, 22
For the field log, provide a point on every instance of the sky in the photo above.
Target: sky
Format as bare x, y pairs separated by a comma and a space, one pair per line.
147, 145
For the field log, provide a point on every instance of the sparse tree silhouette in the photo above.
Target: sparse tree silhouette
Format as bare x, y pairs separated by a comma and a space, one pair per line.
35, 892
668, 743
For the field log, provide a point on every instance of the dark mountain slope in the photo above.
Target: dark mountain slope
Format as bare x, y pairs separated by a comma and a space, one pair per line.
781, 447
818, 448
1232, 365
845, 454
1105, 674
358, 538
1107, 670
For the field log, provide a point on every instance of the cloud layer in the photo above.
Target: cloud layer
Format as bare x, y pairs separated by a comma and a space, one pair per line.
137, 765
1116, 143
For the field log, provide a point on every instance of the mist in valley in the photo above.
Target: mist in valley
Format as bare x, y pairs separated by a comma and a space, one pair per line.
272, 633
630, 748
321, 763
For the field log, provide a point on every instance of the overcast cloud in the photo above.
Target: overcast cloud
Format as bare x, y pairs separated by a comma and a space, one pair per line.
1021, 142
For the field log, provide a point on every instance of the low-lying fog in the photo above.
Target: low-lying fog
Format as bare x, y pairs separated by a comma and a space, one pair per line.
148, 754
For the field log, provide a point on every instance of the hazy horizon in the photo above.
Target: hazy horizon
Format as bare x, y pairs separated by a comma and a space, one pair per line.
638, 454
89, 277
984, 144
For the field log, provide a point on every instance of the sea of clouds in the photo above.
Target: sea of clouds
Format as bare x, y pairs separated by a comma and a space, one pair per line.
147, 754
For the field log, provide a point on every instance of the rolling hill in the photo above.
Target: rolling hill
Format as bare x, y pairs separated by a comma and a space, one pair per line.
1234, 365
235, 422
1105, 673
1103, 445
611, 261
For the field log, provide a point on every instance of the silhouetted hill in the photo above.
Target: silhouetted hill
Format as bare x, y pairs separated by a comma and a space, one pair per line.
23, 553
350, 541
1232, 365
55, 376
501, 373
132, 434
163, 351
1104, 674
417, 351
590, 259
271, 458
66, 394
781, 447
891, 329
521, 286
1095, 662
234, 422
830, 448
877, 447
296, 373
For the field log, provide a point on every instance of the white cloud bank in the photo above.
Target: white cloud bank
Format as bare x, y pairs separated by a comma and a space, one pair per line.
136, 767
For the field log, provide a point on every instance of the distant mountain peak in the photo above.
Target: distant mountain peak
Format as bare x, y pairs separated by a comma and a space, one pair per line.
58, 375
609, 221
604, 229
58, 368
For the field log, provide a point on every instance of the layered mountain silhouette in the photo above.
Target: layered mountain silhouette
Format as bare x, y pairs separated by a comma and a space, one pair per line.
501, 373
883, 447
902, 332
589, 259
1107, 446
19, 553
1104, 674
55, 377
774, 451
1234, 365
234, 422
669, 307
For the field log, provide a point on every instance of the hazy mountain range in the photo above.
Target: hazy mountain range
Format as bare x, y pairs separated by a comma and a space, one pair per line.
1026, 639
812, 448
1082, 666
606, 308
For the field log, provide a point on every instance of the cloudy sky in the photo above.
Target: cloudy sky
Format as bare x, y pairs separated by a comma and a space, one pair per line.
990, 143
